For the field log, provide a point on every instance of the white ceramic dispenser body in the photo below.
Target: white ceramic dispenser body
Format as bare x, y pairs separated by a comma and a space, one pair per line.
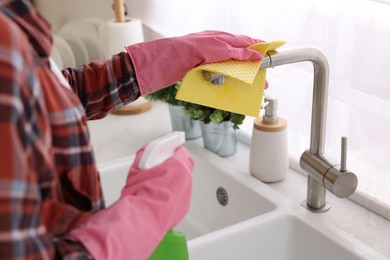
269, 160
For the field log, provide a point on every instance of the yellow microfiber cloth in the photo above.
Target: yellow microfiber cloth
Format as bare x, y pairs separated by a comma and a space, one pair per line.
242, 91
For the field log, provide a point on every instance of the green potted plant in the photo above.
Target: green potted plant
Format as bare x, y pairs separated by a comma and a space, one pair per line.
219, 127
216, 116
179, 120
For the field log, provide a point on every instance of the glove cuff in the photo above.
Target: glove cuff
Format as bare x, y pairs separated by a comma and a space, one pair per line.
135, 53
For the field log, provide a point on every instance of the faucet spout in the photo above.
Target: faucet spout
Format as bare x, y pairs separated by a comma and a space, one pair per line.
320, 87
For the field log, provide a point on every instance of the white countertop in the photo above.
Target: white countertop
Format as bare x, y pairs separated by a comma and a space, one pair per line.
119, 136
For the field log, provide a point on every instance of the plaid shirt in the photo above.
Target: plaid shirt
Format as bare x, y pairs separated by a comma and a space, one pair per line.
49, 183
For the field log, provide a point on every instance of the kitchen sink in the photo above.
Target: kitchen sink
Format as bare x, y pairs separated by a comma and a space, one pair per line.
235, 216
221, 197
285, 236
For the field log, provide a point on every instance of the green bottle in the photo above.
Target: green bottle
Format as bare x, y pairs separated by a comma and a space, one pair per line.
172, 247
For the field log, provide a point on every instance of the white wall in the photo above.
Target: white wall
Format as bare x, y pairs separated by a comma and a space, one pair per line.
58, 12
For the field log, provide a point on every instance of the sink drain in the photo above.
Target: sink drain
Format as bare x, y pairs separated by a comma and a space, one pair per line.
222, 196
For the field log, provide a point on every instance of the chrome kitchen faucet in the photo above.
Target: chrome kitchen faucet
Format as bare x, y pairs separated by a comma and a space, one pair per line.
323, 172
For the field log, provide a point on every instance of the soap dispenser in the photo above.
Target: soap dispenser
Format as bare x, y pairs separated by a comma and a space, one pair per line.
269, 148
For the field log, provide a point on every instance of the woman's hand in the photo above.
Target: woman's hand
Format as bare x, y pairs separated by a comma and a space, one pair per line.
160, 63
151, 203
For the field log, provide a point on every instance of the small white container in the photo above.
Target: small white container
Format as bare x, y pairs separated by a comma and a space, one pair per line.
269, 147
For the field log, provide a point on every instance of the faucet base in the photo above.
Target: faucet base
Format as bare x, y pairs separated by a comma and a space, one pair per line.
325, 208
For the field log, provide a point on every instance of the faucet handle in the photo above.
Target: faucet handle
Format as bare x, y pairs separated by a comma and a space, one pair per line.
339, 180
343, 161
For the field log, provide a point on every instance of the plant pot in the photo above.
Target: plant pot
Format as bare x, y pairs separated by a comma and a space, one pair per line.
182, 122
220, 138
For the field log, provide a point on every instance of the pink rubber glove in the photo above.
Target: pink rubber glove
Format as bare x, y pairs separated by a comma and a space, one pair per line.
152, 202
160, 63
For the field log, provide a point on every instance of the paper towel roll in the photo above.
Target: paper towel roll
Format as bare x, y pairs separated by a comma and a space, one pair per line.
115, 36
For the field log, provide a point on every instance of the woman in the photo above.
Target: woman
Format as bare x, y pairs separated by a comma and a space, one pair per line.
51, 203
